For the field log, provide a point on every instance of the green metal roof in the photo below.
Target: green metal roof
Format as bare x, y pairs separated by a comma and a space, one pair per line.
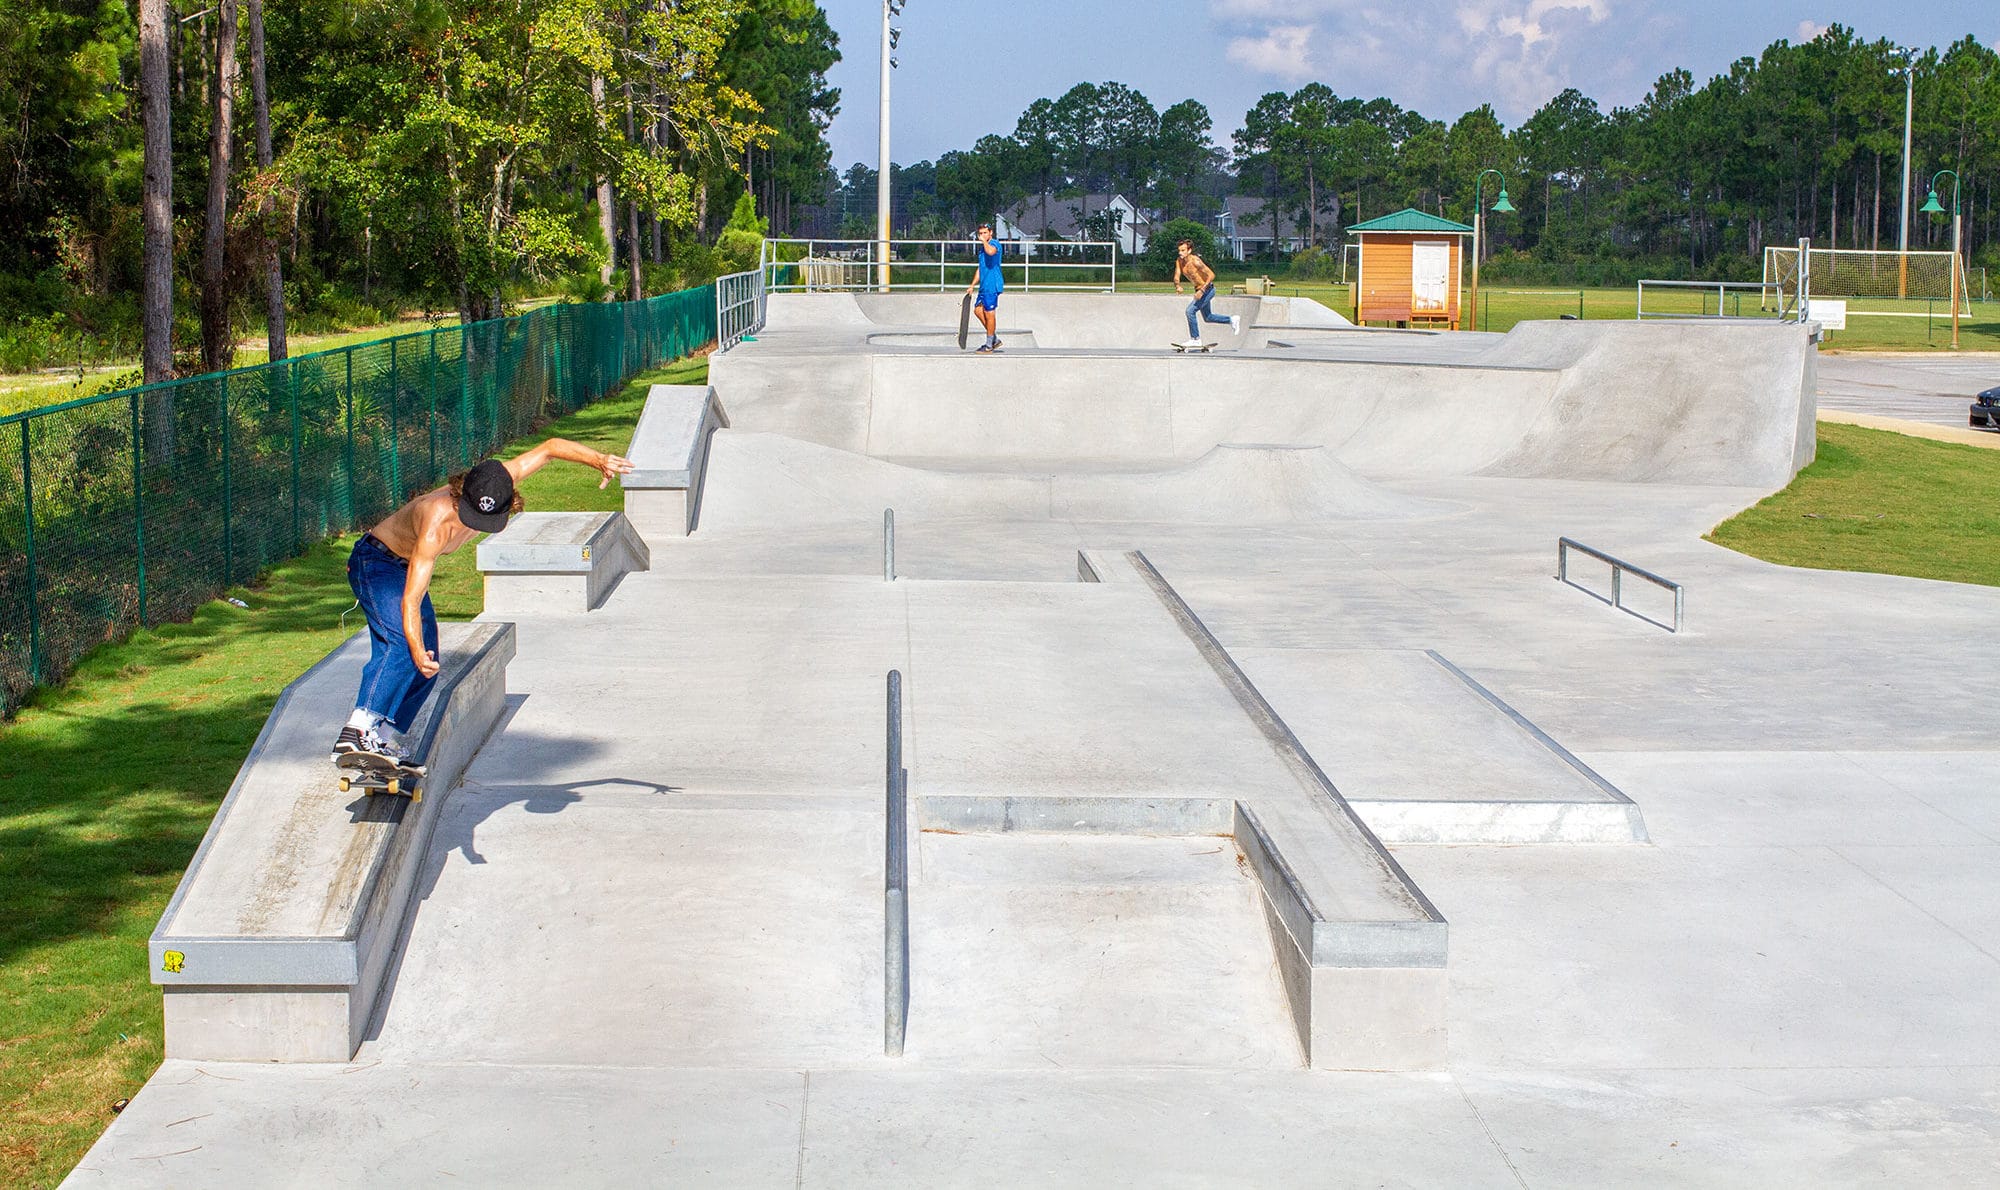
1411, 219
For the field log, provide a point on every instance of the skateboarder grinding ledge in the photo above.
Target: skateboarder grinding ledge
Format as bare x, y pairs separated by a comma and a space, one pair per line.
988, 287
390, 571
1197, 272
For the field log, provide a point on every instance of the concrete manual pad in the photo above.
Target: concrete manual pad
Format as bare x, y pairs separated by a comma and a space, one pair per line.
1091, 951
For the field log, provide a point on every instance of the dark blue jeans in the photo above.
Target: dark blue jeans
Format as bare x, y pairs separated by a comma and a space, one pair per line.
1200, 304
390, 684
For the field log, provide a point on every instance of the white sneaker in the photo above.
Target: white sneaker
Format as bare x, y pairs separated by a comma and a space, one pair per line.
1188, 343
1236, 323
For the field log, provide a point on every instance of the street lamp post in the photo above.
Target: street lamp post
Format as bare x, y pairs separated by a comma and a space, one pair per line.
1478, 224
1903, 200
890, 36
1931, 207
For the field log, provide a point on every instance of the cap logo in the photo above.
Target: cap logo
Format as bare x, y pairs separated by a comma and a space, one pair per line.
488, 504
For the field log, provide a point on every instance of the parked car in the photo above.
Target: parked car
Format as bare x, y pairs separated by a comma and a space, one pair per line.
1985, 413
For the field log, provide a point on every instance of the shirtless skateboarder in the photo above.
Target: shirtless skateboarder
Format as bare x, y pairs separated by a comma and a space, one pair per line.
390, 571
1196, 271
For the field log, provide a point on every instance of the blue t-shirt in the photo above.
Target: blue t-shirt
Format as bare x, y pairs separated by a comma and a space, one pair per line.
989, 269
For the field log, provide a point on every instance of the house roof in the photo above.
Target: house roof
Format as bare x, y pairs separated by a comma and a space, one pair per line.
1411, 219
1026, 215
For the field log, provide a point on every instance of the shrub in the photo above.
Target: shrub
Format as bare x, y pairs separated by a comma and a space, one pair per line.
1158, 258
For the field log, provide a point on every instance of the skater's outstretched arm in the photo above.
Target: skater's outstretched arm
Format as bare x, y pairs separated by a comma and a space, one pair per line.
526, 464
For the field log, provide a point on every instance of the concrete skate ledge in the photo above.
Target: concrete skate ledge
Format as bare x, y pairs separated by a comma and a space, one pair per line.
555, 562
669, 454
275, 944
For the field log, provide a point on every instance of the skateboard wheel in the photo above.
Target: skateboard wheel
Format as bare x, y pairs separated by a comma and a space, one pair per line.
395, 785
345, 784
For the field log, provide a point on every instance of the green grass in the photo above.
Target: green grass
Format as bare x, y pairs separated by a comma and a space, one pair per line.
107, 783
1915, 326
1881, 502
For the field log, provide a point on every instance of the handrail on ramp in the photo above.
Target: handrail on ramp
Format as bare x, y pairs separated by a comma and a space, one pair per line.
1620, 568
896, 883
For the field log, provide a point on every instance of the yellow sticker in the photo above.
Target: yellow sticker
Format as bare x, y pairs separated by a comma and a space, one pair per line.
586, 553
171, 961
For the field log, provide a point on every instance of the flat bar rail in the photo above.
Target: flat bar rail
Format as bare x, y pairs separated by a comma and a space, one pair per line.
1620, 568
934, 266
739, 308
888, 545
895, 882
1722, 291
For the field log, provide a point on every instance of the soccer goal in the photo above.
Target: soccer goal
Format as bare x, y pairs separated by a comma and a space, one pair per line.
1886, 276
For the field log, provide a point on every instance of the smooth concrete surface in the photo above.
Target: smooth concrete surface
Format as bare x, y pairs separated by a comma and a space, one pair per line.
555, 562
648, 938
275, 944
669, 456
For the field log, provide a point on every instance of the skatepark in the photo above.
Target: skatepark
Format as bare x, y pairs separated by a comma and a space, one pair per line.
1089, 765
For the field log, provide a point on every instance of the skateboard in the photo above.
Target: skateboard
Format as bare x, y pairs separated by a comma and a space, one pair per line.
964, 320
1200, 348
375, 775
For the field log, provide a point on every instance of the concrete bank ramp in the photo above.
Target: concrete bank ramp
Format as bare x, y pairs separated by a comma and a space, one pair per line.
762, 480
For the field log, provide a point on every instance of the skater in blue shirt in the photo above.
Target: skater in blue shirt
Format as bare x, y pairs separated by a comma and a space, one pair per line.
988, 287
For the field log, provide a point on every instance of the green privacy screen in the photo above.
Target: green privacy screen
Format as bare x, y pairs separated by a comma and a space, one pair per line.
134, 507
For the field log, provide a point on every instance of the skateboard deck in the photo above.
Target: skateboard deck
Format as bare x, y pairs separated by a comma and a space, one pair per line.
375, 775
1183, 349
964, 320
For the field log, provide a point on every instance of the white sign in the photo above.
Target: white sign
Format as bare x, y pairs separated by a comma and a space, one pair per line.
1830, 313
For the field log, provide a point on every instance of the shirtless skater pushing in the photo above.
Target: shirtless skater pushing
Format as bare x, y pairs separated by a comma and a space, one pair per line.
390, 571
1197, 273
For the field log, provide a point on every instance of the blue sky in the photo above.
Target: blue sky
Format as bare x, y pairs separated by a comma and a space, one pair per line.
1440, 58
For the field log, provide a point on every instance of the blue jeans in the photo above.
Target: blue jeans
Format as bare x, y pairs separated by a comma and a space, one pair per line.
1200, 305
390, 684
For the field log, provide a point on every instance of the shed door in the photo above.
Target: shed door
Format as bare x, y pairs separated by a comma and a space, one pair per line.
1430, 268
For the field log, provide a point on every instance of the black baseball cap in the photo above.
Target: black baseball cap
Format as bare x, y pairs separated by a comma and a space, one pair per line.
486, 497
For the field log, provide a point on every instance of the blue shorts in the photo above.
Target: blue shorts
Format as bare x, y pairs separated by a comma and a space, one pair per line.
989, 299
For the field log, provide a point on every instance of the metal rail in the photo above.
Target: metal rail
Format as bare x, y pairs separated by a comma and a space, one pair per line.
833, 266
1620, 568
888, 545
1722, 291
739, 308
896, 884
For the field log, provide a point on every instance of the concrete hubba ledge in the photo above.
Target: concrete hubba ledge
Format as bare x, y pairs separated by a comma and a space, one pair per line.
669, 454
558, 562
1366, 991
275, 945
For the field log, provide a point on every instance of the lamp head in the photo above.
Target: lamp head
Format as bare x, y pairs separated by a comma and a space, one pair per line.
1931, 205
1500, 205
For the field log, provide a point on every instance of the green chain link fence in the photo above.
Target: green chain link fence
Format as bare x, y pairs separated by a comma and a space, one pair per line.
134, 507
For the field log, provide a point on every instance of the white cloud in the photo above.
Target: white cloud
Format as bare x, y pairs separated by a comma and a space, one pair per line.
1283, 51
1808, 31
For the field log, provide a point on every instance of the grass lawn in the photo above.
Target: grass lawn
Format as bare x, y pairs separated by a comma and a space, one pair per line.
107, 783
1883, 502
1894, 326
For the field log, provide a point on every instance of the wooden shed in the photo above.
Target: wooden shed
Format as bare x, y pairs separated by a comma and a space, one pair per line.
1410, 269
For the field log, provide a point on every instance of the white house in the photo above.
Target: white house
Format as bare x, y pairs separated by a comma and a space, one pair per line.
1243, 228
1130, 226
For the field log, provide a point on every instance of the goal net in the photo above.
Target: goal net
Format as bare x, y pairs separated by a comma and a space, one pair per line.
1860, 273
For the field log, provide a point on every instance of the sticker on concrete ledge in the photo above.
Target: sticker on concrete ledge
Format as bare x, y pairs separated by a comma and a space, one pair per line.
171, 961
586, 553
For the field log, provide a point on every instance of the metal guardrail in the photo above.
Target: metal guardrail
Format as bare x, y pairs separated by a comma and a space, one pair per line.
739, 308
832, 266
1728, 297
896, 883
1620, 568
888, 545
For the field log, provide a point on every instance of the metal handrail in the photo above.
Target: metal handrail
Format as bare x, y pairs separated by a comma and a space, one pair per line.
865, 258
1619, 568
895, 883
1721, 289
739, 308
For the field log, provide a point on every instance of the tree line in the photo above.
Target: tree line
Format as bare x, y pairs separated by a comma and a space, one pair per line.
1802, 140
189, 166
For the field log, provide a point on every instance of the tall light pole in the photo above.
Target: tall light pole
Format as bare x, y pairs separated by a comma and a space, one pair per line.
1931, 207
1903, 200
890, 36
1478, 223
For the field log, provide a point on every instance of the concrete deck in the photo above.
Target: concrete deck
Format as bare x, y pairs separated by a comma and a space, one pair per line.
649, 942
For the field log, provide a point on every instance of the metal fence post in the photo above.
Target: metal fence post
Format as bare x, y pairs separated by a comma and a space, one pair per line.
28, 516
353, 510
139, 505
228, 493
395, 433
298, 434
432, 477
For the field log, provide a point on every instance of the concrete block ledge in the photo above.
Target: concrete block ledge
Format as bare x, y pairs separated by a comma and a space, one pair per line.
558, 562
275, 945
669, 454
